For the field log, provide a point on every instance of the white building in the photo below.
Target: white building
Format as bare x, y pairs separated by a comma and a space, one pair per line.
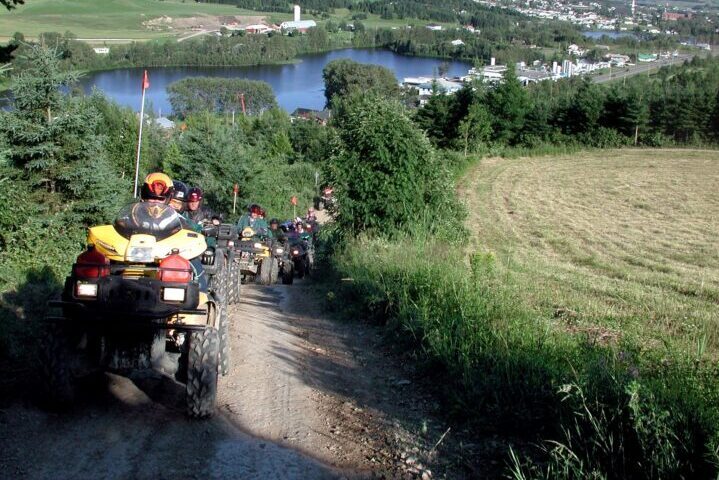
567, 68
301, 26
457, 43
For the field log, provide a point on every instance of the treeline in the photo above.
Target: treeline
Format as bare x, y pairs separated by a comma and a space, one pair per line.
677, 106
207, 51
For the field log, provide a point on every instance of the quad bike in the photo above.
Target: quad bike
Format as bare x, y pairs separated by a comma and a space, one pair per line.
286, 266
255, 258
325, 200
298, 252
137, 298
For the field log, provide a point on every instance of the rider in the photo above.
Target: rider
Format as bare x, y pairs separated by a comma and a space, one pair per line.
179, 196
157, 188
196, 211
253, 219
276, 232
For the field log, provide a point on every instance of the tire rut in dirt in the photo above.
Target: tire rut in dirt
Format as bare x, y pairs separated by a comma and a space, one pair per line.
202, 359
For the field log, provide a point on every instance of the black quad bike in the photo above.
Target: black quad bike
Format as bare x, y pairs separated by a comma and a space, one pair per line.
138, 298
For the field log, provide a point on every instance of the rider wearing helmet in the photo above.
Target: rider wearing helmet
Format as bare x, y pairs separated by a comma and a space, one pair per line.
195, 210
179, 196
276, 232
157, 188
253, 219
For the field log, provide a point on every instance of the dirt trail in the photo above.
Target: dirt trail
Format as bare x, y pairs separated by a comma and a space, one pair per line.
306, 399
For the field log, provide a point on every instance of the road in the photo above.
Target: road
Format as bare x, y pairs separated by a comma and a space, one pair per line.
618, 73
307, 398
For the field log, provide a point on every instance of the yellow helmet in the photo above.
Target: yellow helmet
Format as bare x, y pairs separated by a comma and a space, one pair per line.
157, 186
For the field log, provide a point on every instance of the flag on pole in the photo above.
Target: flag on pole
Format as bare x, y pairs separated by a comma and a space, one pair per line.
145, 86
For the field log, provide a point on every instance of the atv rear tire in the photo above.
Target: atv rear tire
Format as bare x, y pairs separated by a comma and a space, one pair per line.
201, 386
55, 357
224, 337
233, 296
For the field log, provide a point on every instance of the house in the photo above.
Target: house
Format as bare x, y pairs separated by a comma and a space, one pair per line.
301, 26
674, 16
457, 43
102, 50
258, 28
435, 28
320, 116
647, 57
526, 77
164, 123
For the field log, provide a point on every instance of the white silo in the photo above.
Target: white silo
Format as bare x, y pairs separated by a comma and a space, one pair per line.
297, 13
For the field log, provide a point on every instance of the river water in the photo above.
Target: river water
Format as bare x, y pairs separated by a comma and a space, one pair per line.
295, 85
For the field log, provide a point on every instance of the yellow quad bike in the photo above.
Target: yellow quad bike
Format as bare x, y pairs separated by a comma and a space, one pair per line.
137, 299
255, 258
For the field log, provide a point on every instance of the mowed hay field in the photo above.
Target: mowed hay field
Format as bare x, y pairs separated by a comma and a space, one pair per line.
613, 243
122, 19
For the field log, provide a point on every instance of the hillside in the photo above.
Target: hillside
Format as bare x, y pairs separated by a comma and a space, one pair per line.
123, 19
616, 243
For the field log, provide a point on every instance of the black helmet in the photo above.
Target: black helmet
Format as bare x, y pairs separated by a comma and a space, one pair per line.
274, 220
180, 190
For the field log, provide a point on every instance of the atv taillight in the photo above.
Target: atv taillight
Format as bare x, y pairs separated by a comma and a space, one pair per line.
92, 264
175, 268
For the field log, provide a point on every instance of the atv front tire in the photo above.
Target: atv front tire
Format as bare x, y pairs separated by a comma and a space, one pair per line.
267, 267
202, 360
288, 274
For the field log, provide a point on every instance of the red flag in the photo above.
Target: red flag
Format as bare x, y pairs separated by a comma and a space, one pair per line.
293, 200
145, 82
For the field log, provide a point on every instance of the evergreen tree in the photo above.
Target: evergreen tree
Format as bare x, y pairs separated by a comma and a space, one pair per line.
55, 144
509, 105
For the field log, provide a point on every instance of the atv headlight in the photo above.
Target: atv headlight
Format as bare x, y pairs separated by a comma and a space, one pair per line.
139, 254
257, 245
279, 250
88, 290
295, 252
170, 294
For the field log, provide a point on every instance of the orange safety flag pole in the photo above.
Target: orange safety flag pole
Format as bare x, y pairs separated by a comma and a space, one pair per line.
145, 86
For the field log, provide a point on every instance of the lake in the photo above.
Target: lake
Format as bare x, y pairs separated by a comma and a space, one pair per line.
296, 85
597, 34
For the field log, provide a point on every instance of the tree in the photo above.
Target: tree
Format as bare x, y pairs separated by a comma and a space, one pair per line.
343, 77
384, 169
55, 142
10, 4
191, 95
476, 128
508, 104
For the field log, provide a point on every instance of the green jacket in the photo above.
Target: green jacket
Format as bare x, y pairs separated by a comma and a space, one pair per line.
259, 225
